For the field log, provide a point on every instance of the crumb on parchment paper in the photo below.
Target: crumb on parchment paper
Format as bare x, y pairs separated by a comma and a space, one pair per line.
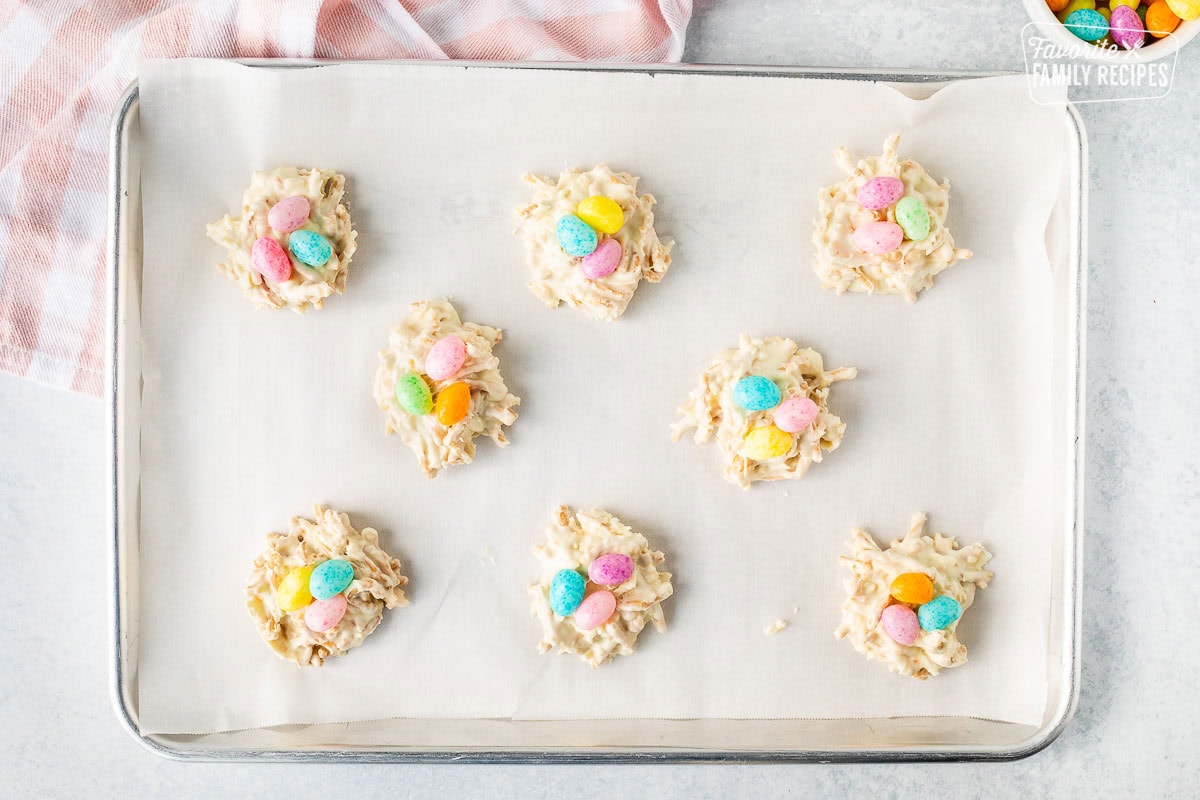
775, 627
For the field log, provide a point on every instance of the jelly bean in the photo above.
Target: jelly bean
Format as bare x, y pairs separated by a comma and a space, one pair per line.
595, 610
900, 623
324, 614
575, 236
1185, 9
453, 403
310, 247
1160, 19
288, 214
292, 593
796, 413
1133, 4
269, 260
1075, 5
878, 237
1107, 14
611, 569
445, 358
913, 217
912, 587
1127, 29
756, 393
1086, 24
330, 577
602, 261
940, 612
602, 213
413, 395
880, 192
1056, 5
767, 442
566, 592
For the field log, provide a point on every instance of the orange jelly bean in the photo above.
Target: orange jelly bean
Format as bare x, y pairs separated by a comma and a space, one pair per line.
912, 587
1056, 5
1160, 19
453, 403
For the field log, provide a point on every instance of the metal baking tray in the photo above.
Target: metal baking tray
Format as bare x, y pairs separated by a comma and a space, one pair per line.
925, 739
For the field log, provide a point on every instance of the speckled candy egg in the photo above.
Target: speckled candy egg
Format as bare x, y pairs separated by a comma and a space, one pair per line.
595, 610
575, 236
878, 237
603, 261
269, 260
611, 569
322, 615
912, 587
1185, 9
880, 192
913, 218
566, 592
796, 413
310, 247
900, 623
288, 214
601, 213
445, 358
767, 442
756, 393
1087, 24
292, 593
330, 577
1126, 28
939, 613
413, 395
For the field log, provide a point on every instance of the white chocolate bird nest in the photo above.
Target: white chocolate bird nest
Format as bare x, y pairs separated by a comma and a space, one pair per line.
711, 411
573, 541
955, 572
308, 286
907, 270
378, 584
557, 277
492, 405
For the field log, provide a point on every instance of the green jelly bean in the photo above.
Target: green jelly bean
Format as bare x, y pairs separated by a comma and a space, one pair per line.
413, 395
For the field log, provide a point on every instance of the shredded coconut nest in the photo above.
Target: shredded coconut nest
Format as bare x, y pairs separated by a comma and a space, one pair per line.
909, 269
573, 541
711, 411
308, 286
557, 277
492, 404
377, 584
955, 572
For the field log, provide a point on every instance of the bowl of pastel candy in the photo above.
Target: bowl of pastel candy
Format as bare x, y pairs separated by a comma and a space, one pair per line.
1120, 30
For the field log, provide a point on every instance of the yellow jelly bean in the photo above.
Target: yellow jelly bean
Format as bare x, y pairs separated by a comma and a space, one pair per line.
601, 213
1160, 19
1104, 12
912, 587
1074, 6
766, 442
1185, 9
453, 403
1131, 3
292, 593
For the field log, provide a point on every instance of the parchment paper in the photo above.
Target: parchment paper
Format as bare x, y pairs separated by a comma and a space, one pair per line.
251, 417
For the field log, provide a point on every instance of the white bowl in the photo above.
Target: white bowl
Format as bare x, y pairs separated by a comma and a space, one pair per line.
1153, 50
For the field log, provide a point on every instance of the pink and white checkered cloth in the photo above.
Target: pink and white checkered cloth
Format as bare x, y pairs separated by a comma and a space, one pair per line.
65, 63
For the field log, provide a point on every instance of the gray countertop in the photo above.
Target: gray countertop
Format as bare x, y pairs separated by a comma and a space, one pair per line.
1137, 724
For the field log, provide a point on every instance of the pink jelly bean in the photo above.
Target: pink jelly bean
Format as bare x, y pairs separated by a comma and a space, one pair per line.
900, 623
603, 260
288, 214
321, 615
1126, 28
878, 237
595, 609
269, 260
795, 414
880, 192
611, 569
446, 358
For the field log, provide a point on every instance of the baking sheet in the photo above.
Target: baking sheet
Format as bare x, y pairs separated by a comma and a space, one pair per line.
433, 156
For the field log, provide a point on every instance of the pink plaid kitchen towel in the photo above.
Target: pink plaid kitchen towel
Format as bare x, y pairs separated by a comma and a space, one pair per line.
65, 63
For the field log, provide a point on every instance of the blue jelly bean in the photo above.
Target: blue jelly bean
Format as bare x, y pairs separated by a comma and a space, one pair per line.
575, 236
330, 578
310, 247
939, 613
1087, 24
566, 592
756, 393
